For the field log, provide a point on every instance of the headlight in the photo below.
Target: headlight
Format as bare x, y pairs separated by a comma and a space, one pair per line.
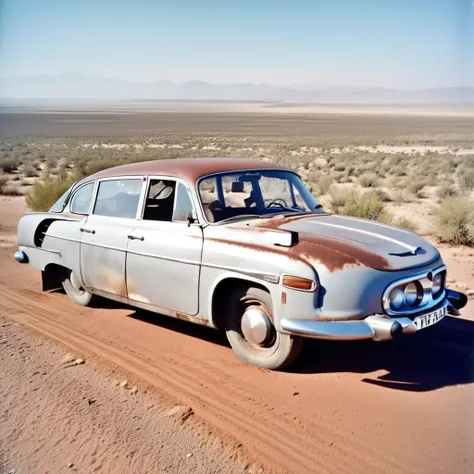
397, 298
437, 285
411, 293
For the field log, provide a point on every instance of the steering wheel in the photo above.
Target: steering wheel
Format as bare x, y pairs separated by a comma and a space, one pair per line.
275, 203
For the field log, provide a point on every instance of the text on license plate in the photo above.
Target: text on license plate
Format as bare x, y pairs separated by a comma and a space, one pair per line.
429, 319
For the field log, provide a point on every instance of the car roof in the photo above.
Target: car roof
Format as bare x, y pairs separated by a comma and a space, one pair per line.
189, 169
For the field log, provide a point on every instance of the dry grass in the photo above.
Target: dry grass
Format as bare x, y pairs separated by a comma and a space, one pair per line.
45, 192
364, 205
3, 181
455, 221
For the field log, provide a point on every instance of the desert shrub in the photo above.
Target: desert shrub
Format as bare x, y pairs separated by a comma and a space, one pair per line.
337, 198
344, 179
44, 193
356, 204
405, 223
10, 190
51, 161
99, 165
383, 195
445, 191
455, 221
8, 164
392, 182
416, 186
30, 171
349, 170
369, 180
431, 179
398, 170
322, 184
3, 182
466, 179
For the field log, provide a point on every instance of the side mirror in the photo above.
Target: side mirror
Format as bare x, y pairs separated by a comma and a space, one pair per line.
190, 219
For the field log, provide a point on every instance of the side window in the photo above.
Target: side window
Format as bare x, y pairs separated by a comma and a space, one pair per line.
81, 201
168, 201
118, 198
160, 200
183, 207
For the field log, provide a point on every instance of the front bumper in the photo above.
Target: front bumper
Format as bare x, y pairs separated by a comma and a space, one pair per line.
377, 327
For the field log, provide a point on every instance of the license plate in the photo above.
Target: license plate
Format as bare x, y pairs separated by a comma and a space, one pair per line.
422, 322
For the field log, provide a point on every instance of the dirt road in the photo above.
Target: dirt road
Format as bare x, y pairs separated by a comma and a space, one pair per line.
404, 406
60, 414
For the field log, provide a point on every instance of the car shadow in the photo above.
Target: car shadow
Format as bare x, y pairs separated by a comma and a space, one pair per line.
184, 327
439, 356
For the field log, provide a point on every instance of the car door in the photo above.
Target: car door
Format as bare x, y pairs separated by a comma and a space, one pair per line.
164, 249
105, 234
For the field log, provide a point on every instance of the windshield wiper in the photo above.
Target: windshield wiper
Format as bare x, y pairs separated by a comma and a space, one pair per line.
299, 213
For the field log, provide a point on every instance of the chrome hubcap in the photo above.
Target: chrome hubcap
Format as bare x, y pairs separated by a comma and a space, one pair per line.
75, 283
256, 327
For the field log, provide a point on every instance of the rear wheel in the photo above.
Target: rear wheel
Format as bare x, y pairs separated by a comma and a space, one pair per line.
73, 287
251, 332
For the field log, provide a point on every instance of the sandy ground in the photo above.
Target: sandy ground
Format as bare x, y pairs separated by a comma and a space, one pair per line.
59, 414
403, 406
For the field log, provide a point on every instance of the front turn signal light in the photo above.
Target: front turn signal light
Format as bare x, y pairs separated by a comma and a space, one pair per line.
298, 283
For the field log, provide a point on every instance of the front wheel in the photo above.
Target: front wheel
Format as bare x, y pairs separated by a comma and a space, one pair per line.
74, 289
251, 333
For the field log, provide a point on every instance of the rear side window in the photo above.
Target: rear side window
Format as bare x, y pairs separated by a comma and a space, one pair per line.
81, 201
118, 198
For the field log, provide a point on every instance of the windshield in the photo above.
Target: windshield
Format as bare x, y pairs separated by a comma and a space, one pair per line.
254, 193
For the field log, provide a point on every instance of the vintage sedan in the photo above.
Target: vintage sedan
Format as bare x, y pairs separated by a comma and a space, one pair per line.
238, 245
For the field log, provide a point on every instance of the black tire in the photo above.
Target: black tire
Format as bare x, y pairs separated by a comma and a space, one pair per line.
75, 291
279, 352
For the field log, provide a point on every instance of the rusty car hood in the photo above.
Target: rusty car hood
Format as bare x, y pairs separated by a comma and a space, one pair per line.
338, 241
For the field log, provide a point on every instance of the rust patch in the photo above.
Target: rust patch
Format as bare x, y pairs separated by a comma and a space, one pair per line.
111, 280
332, 252
275, 223
336, 253
273, 249
192, 319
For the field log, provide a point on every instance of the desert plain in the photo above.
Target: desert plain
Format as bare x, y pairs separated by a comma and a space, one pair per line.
153, 394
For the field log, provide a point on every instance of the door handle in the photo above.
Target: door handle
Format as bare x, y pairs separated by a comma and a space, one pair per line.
87, 231
136, 237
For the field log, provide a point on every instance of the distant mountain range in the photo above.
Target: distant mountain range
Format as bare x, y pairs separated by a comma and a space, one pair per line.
81, 86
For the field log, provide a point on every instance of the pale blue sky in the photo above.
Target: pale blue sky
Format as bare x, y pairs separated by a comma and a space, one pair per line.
386, 43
